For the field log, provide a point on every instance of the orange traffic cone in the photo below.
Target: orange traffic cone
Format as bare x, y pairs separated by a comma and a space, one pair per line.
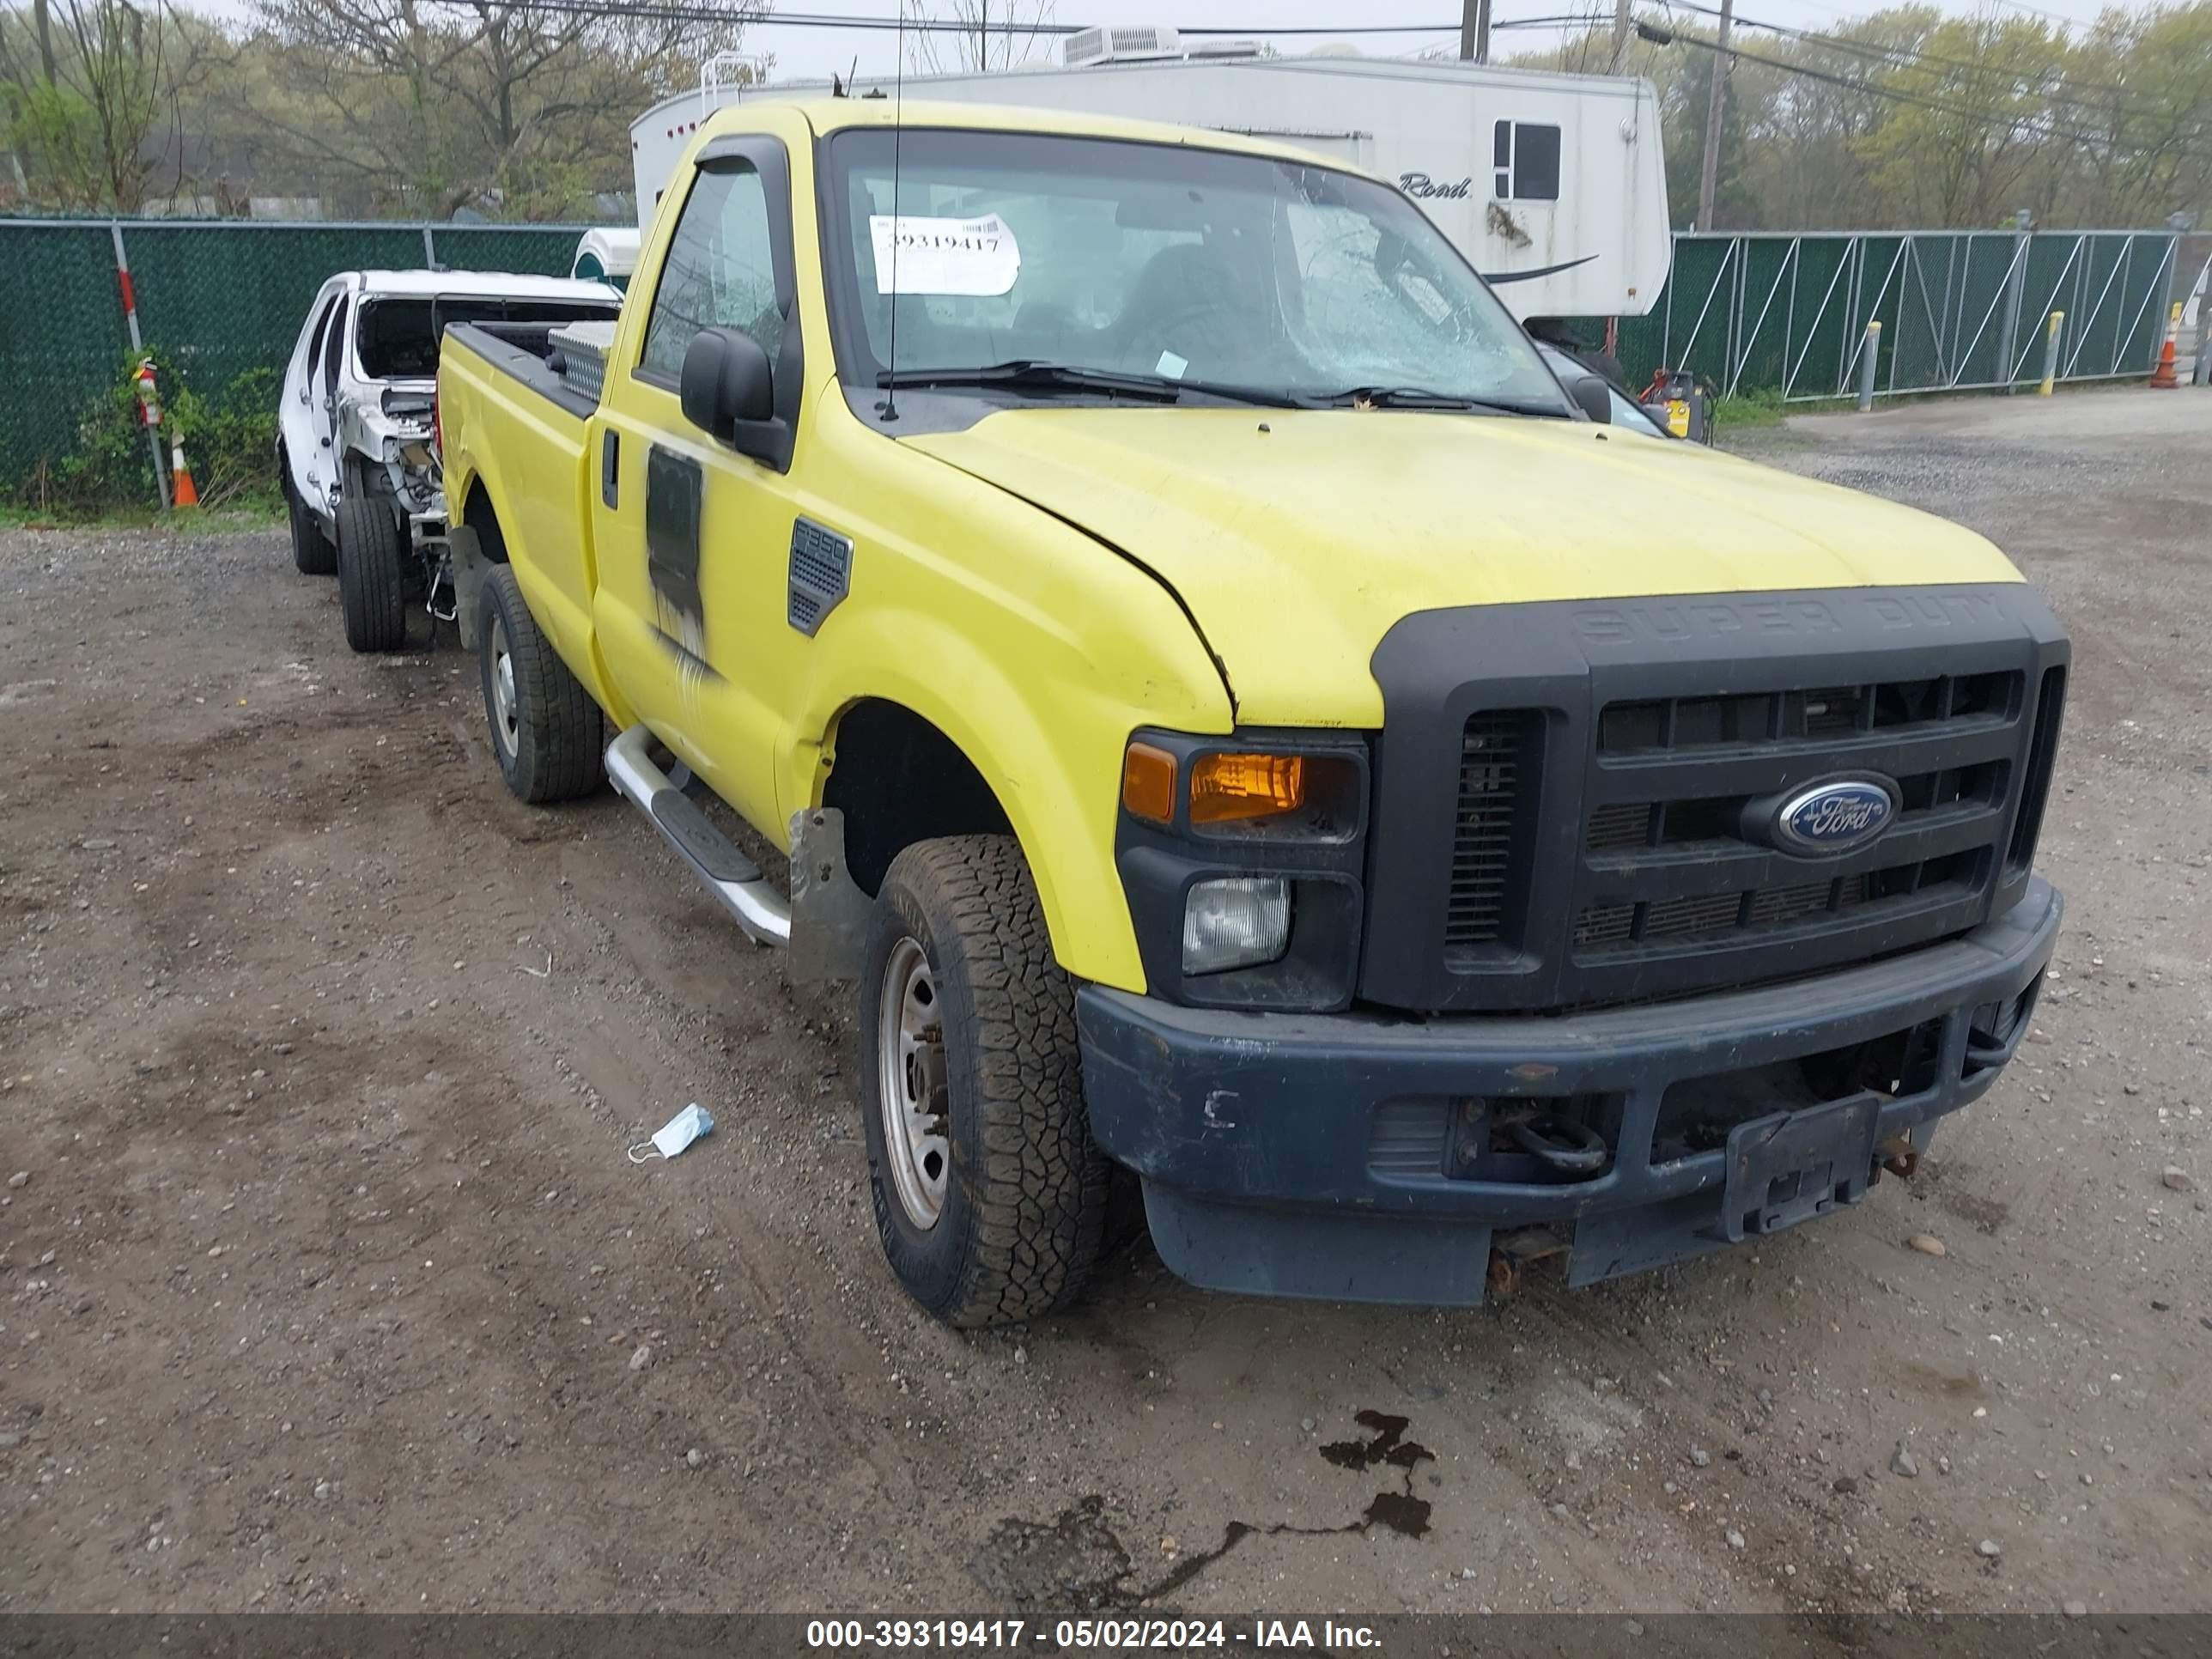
2163, 376
181, 493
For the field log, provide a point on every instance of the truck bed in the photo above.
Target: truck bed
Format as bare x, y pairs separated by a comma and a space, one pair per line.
515, 432
525, 352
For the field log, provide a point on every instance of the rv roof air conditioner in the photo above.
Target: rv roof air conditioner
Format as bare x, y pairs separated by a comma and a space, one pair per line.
1139, 44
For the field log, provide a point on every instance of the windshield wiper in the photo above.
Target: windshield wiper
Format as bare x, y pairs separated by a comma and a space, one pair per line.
1413, 397
1036, 374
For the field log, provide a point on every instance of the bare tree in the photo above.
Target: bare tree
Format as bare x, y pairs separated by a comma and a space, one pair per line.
979, 36
435, 105
83, 101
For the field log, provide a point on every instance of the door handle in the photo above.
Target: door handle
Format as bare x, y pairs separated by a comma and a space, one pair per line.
611, 467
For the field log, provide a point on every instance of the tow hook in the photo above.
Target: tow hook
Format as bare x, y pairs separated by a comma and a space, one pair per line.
1574, 1149
1900, 1157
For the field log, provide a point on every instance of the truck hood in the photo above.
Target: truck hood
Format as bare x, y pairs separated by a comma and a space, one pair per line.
1296, 539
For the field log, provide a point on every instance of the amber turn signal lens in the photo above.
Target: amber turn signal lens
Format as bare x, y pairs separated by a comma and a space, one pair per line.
1148, 783
1231, 788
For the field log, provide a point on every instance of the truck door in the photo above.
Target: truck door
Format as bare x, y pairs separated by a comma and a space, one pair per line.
322, 459
303, 387
694, 539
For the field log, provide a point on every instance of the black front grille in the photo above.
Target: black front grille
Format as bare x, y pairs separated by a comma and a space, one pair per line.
1488, 837
1601, 927
1835, 711
1575, 802
1715, 916
1683, 866
2042, 758
1678, 872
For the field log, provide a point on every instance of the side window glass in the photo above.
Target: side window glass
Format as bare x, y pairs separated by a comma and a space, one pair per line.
314, 363
334, 348
1525, 157
720, 272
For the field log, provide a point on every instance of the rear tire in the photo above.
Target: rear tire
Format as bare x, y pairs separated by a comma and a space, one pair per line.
311, 552
372, 573
547, 734
990, 1198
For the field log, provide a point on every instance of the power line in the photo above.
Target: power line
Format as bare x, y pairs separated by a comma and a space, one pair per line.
691, 11
2048, 128
1911, 57
677, 8
696, 11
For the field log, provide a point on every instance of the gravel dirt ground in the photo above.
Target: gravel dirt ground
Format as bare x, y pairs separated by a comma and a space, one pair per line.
325, 1283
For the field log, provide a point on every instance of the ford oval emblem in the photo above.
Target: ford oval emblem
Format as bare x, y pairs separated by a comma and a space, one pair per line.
1834, 816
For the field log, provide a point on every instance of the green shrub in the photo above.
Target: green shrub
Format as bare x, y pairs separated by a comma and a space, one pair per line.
229, 440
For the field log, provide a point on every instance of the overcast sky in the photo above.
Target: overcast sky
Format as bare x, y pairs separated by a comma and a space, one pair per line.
812, 53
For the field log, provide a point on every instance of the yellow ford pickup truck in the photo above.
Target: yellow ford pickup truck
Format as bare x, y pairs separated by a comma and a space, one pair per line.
1250, 732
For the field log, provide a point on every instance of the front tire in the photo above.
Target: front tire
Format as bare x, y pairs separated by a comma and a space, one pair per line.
990, 1196
372, 573
547, 734
311, 552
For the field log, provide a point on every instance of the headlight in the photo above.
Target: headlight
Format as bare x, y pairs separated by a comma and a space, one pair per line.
1240, 793
1236, 922
1243, 856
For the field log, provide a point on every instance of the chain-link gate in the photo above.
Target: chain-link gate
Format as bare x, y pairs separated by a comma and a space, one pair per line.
1959, 310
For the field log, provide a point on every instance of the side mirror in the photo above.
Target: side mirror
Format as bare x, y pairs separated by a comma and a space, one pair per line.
1591, 395
726, 380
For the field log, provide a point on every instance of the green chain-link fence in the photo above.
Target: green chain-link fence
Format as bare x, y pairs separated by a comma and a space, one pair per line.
1959, 309
218, 299
1767, 312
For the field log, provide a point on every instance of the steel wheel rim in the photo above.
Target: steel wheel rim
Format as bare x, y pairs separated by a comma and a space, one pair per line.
911, 1089
506, 726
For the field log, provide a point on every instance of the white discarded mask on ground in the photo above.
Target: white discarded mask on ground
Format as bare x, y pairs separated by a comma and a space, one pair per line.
673, 1136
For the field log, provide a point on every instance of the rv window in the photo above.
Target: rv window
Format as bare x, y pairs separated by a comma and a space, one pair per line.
1527, 157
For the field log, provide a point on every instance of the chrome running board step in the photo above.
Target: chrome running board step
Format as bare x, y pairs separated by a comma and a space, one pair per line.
753, 901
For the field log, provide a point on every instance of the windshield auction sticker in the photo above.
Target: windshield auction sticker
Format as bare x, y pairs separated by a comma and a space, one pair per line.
976, 258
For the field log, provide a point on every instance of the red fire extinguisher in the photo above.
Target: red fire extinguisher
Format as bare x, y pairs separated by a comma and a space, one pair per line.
149, 401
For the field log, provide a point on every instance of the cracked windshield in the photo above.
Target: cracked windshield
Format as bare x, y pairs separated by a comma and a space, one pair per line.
1074, 263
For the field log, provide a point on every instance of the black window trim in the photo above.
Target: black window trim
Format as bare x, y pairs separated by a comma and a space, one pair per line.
770, 163
327, 370
318, 327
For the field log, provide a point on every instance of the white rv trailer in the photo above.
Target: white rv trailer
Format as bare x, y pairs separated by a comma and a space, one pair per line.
1553, 185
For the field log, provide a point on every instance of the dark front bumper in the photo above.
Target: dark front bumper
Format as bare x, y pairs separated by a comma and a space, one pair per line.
1271, 1162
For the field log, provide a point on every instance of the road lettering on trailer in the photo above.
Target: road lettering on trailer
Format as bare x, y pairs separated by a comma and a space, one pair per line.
1421, 187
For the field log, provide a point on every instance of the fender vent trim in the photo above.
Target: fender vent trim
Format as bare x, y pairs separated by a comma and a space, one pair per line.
821, 572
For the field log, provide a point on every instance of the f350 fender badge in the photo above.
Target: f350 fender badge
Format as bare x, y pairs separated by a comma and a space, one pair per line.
1835, 817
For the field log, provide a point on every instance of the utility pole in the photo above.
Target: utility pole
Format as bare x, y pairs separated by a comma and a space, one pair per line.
1474, 31
1708, 179
1619, 36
